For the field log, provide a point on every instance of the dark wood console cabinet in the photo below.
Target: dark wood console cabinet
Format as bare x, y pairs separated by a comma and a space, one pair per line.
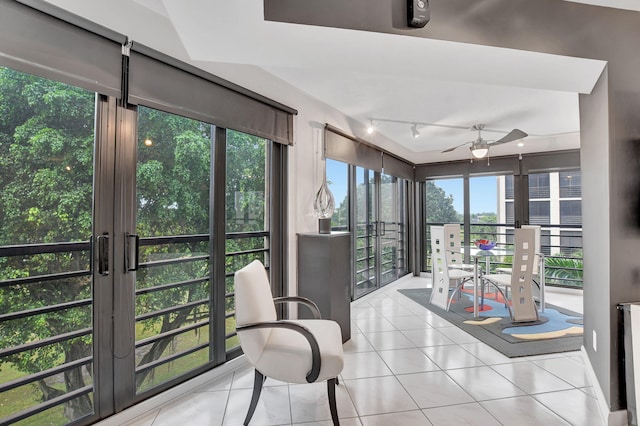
324, 276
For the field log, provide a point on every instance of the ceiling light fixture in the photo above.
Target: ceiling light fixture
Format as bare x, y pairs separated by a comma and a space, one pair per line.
414, 131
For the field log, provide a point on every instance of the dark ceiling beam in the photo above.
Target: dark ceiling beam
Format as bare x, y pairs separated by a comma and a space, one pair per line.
548, 26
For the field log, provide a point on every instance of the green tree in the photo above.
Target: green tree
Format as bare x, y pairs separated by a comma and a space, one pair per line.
439, 205
480, 231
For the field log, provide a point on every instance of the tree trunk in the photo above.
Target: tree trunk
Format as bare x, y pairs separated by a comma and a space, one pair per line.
82, 405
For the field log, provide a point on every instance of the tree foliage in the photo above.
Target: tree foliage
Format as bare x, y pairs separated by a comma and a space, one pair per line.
439, 205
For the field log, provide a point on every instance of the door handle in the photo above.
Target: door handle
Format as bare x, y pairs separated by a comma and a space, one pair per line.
384, 228
132, 252
102, 242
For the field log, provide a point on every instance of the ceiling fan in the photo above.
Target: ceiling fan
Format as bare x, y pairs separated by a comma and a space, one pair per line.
480, 147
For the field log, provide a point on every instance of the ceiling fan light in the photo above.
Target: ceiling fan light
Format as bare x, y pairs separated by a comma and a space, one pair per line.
479, 152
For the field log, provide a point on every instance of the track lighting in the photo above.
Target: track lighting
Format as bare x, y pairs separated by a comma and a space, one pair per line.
414, 131
370, 129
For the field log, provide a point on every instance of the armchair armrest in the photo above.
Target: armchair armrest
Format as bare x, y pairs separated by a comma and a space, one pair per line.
302, 300
313, 374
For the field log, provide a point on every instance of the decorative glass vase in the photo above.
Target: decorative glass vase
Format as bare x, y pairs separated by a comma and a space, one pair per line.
323, 207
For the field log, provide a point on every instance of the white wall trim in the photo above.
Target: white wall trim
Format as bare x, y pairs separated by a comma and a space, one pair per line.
180, 390
609, 418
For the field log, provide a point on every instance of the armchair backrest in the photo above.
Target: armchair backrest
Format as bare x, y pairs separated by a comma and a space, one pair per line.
254, 303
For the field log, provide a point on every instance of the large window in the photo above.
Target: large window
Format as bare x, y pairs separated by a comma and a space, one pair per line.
499, 203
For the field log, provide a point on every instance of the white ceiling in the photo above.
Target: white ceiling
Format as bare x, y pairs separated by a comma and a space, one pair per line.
618, 4
443, 87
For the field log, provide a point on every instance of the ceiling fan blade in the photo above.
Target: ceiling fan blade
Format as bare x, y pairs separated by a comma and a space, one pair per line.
455, 147
513, 135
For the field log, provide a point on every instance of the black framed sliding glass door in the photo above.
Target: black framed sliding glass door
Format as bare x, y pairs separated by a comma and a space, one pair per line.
113, 284
51, 143
366, 232
381, 235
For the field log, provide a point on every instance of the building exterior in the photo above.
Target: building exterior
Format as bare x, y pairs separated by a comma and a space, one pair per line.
555, 203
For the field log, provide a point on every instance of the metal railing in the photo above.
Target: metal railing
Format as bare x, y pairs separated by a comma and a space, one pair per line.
40, 281
179, 269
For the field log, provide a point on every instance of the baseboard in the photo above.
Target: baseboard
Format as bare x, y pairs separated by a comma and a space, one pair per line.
609, 418
159, 400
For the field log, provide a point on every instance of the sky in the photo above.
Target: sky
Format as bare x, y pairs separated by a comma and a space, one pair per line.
483, 190
338, 176
483, 193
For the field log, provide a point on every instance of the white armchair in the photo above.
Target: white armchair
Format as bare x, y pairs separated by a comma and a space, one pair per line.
295, 351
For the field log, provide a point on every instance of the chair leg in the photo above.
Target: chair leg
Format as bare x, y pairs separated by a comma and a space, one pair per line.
258, 381
331, 390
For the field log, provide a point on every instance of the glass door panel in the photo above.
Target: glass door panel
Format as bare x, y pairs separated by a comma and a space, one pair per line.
246, 215
491, 208
172, 282
47, 133
388, 228
402, 228
365, 231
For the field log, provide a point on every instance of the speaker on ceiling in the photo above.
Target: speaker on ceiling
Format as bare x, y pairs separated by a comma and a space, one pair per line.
418, 13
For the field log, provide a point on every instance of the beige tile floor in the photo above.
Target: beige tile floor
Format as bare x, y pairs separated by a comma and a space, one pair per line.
406, 366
